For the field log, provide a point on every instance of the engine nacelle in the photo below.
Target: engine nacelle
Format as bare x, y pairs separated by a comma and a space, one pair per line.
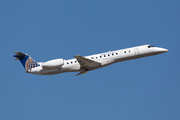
53, 63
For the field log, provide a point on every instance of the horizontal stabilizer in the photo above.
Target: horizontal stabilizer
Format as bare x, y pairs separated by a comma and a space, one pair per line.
19, 55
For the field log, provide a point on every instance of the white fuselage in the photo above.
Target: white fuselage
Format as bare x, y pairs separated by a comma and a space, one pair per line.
107, 58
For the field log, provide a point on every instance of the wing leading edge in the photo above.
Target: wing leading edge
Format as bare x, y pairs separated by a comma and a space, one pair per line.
86, 64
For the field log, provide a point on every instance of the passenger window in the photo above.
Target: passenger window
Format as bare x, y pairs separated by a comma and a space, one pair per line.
108, 54
124, 51
100, 56
75, 61
96, 57
113, 54
67, 62
104, 55
116, 53
71, 62
92, 58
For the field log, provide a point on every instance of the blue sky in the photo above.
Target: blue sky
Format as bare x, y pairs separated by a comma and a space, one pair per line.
141, 89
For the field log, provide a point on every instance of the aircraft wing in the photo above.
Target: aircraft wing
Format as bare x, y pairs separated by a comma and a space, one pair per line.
86, 63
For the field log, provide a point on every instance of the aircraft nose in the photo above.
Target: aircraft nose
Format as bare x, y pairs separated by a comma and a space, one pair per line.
160, 50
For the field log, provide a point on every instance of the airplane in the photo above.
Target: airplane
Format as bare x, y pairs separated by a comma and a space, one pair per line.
84, 64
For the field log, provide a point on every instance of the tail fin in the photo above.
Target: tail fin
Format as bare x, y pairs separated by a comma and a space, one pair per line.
26, 60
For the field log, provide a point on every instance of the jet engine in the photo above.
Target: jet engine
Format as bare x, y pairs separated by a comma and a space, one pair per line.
53, 64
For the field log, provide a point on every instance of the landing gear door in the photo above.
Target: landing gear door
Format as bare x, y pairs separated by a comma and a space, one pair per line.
136, 51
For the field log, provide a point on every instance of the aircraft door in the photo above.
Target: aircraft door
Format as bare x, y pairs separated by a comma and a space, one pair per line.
136, 51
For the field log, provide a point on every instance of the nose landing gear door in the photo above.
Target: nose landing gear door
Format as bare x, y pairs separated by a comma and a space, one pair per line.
136, 51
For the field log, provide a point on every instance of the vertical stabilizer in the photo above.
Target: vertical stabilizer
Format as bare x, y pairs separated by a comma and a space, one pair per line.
26, 60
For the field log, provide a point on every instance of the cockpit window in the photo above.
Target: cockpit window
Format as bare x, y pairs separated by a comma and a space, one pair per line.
149, 46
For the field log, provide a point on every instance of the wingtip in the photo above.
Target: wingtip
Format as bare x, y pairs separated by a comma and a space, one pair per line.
79, 73
76, 55
82, 73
